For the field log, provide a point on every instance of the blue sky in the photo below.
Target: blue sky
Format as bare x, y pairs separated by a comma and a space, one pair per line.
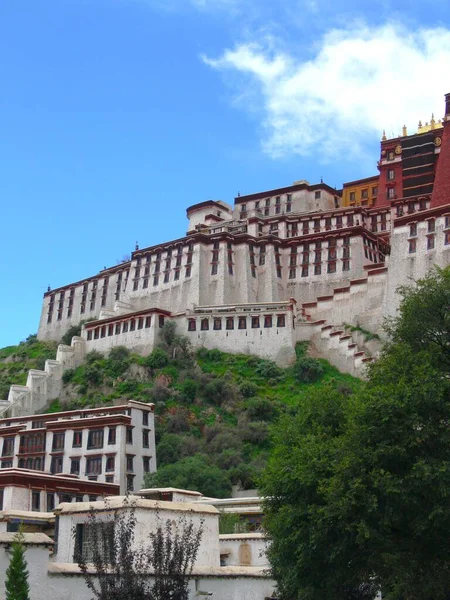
118, 114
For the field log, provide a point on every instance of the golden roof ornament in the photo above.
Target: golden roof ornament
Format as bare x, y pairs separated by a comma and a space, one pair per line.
404, 131
384, 138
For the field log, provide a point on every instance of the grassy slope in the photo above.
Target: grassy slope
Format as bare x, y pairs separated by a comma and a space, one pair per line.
15, 362
212, 406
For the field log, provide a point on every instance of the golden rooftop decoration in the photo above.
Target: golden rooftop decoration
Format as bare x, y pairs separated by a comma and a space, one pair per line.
429, 126
384, 138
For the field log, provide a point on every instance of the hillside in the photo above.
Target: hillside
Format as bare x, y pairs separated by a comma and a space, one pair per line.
213, 410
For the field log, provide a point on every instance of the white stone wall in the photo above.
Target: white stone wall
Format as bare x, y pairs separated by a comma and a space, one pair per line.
243, 549
404, 267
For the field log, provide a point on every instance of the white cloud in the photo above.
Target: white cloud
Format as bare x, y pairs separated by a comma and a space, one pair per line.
358, 82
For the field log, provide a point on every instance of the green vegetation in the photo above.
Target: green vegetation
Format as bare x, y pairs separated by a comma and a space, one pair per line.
359, 483
16, 583
15, 362
366, 333
213, 410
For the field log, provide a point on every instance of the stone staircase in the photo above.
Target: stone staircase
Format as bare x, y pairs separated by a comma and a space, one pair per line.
322, 323
43, 386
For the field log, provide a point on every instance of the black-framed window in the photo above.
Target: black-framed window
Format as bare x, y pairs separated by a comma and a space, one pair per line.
144, 417
56, 465
129, 435
229, 323
130, 464
110, 464
146, 438
281, 321
146, 464
267, 321
50, 501
192, 325
8, 446
217, 324
242, 323
35, 500
204, 324
95, 439
112, 435
77, 439
255, 322
58, 441
93, 465
75, 466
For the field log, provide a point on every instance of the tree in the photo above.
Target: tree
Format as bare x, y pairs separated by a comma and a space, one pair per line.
122, 567
171, 553
16, 584
192, 473
359, 484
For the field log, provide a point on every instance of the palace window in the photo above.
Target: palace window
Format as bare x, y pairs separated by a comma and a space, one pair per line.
374, 190
328, 223
204, 325
188, 272
110, 464
176, 275
58, 441
430, 242
230, 269
281, 321
217, 324
412, 246
93, 465
317, 269
352, 196
8, 446
192, 325
50, 501
305, 270
36, 500
255, 322
317, 195
148, 322
267, 321
145, 438
292, 273
111, 436
391, 174
117, 329
166, 277
346, 265
350, 221
140, 323
125, 327
447, 238
242, 323
56, 465
413, 230
129, 435
279, 272
75, 466
229, 323
130, 466
391, 193
146, 464
77, 439
316, 223
214, 269
431, 226
155, 280
95, 439
331, 267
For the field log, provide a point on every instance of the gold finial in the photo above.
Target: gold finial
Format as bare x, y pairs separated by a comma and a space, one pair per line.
432, 122
384, 138
404, 131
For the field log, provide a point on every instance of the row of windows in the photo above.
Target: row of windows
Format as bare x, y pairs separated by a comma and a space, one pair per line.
255, 323
122, 327
319, 224
31, 444
431, 242
364, 194
331, 268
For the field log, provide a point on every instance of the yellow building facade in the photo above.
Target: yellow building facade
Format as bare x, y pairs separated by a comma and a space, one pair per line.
362, 192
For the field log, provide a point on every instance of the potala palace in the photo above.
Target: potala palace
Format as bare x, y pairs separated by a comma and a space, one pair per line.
302, 262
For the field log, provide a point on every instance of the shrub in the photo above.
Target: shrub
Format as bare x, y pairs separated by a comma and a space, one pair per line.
93, 356
68, 375
70, 333
178, 422
189, 390
168, 449
118, 361
248, 389
256, 432
93, 375
268, 369
260, 409
156, 360
217, 391
307, 370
